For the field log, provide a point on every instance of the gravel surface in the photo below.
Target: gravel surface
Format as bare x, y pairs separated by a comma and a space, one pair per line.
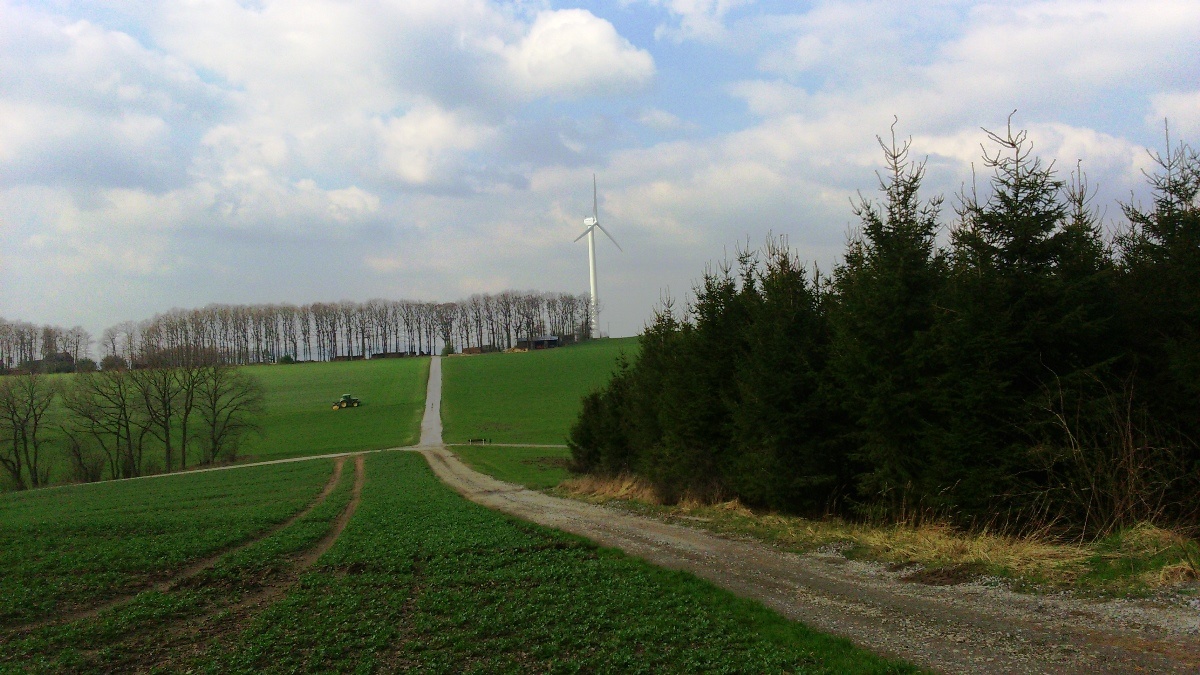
974, 627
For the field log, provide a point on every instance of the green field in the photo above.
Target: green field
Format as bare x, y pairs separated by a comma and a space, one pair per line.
535, 468
530, 397
422, 580
72, 547
299, 420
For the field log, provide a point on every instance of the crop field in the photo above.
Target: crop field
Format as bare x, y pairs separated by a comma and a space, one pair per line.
422, 580
536, 468
73, 547
530, 397
299, 419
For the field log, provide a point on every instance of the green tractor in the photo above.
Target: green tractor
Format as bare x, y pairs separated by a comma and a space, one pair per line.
346, 401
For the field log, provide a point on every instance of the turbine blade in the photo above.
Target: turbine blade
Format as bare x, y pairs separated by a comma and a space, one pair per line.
614, 241
585, 231
595, 208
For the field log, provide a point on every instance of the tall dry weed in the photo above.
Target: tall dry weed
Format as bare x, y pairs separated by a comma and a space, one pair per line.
623, 486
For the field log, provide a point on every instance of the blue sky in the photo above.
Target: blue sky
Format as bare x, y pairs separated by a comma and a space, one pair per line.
173, 154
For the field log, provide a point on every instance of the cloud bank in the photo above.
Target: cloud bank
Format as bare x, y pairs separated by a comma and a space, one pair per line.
183, 153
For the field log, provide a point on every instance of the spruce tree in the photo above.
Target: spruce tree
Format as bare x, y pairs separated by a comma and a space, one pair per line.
782, 414
882, 356
1160, 295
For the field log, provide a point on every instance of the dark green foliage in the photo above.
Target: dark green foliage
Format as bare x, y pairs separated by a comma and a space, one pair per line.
782, 409
1160, 299
1023, 373
884, 364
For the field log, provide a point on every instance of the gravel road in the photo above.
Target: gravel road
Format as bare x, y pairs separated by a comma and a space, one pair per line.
975, 627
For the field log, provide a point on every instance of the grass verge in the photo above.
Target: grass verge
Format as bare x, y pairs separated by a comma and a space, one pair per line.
1138, 561
530, 397
535, 468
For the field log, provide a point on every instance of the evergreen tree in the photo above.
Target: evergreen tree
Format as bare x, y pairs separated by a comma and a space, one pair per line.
883, 358
782, 413
1026, 289
1160, 294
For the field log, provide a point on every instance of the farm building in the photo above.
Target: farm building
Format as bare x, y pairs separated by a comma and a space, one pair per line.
539, 342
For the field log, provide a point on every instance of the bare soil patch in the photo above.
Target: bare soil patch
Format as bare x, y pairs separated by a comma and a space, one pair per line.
548, 462
948, 575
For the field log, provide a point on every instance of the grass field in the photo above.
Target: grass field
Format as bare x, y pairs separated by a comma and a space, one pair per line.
535, 468
530, 397
299, 420
74, 546
422, 580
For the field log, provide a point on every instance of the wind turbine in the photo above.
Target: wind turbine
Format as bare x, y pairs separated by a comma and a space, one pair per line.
590, 225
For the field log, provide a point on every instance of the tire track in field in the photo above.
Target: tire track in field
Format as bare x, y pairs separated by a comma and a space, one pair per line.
194, 568
173, 643
224, 621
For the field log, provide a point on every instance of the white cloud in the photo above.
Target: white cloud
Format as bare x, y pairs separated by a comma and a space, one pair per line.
1180, 110
178, 152
573, 53
351, 203
702, 20
416, 143
661, 120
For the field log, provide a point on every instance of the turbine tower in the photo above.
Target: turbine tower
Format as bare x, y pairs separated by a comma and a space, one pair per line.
590, 225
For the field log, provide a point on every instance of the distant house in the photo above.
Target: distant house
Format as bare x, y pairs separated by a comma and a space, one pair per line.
61, 362
485, 349
539, 342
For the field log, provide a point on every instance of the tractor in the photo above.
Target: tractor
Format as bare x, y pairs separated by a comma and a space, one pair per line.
346, 401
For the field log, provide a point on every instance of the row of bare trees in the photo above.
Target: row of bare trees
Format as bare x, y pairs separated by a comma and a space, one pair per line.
116, 422
23, 344
247, 334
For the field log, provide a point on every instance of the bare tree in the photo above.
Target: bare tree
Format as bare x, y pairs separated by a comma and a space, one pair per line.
105, 407
158, 389
229, 402
8, 341
506, 313
78, 343
24, 404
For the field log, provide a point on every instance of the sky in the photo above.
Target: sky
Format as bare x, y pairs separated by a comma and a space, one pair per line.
174, 154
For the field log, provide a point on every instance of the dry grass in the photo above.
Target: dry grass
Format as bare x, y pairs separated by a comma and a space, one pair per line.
625, 487
931, 545
941, 545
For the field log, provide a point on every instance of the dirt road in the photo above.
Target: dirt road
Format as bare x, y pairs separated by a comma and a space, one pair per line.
962, 628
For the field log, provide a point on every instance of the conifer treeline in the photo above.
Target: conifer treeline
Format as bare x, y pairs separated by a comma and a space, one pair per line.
1028, 371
